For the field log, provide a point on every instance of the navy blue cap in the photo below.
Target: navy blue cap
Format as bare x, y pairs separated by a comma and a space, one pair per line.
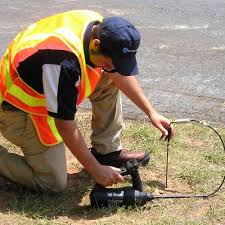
120, 41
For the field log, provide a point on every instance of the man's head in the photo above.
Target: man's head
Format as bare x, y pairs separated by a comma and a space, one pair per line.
114, 45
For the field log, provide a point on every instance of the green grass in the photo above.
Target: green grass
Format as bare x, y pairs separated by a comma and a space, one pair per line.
196, 165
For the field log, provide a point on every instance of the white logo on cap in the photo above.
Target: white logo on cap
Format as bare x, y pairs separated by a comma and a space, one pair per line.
126, 50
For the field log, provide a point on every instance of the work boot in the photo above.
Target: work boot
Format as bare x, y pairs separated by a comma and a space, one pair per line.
118, 158
7, 185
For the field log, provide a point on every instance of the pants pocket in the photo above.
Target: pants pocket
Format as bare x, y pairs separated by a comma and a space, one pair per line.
12, 126
32, 144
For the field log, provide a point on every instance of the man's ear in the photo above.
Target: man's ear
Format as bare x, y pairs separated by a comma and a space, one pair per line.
94, 29
96, 43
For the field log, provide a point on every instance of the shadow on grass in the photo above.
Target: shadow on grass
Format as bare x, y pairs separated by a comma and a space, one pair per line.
72, 203
155, 184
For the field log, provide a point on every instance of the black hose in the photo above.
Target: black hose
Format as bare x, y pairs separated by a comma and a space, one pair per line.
167, 166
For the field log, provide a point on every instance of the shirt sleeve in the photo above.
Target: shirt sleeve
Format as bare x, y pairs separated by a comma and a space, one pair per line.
60, 82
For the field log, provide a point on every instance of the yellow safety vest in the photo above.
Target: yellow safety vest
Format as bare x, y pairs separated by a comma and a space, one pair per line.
63, 31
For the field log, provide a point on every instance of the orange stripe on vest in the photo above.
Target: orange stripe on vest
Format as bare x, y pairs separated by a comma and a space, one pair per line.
12, 71
49, 43
27, 89
93, 80
44, 131
2, 78
92, 76
30, 109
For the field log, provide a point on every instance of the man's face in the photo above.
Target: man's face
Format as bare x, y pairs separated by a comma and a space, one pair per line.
99, 59
105, 62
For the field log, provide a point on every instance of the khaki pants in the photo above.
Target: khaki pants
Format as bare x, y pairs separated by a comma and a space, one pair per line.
44, 168
107, 119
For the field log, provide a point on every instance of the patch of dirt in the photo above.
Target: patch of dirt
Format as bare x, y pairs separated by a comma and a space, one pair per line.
152, 179
194, 143
73, 169
199, 210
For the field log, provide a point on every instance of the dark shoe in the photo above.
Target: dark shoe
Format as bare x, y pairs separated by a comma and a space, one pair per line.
7, 185
118, 158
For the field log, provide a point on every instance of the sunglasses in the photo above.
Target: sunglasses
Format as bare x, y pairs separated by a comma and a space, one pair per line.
110, 71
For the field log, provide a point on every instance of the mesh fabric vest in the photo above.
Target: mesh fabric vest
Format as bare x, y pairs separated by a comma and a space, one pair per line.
63, 31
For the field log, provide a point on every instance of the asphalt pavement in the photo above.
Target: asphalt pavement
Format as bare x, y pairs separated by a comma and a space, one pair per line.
182, 52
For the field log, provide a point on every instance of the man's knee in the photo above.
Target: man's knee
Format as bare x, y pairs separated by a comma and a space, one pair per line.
52, 183
50, 168
60, 185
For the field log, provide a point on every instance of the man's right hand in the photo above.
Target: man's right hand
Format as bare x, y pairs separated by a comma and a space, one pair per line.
106, 175
73, 139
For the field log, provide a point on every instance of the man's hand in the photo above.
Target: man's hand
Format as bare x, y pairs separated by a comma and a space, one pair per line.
163, 124
131, 88
73, 139
106, 175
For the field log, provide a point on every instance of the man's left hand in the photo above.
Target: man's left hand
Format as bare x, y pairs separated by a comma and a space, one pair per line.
163, 124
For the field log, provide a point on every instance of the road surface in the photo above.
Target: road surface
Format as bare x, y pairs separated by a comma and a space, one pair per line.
182, 52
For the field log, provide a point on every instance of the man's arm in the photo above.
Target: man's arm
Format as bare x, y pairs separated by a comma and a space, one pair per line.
60, 78
73, 139
131, 88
